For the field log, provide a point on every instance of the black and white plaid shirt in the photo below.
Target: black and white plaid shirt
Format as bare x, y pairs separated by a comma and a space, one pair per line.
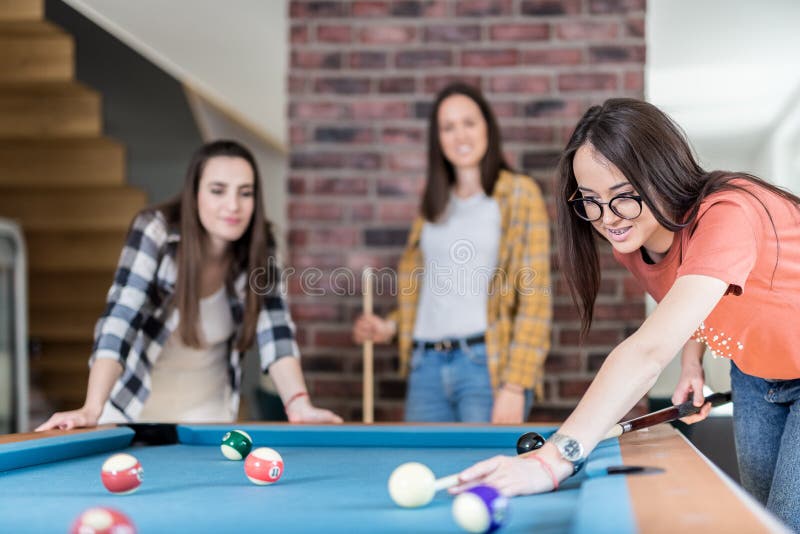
138, 319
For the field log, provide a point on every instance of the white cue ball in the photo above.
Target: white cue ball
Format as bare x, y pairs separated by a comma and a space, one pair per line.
412, 485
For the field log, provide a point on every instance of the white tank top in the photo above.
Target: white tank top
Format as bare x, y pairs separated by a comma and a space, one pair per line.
191, 385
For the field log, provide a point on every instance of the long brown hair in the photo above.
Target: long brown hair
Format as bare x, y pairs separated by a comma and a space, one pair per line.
251, 253
652, 152
441, 174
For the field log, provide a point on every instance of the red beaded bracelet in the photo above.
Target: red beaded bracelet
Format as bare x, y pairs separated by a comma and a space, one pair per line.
294, 398
546, 467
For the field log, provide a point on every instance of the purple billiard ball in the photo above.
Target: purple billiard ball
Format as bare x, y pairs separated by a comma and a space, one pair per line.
480, 509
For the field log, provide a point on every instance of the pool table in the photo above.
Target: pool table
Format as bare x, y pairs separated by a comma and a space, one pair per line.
335, 481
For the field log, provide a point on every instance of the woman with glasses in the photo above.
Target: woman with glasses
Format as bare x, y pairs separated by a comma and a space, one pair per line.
720, 253
473, 322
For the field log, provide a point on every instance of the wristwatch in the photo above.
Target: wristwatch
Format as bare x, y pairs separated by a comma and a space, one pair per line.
571, 450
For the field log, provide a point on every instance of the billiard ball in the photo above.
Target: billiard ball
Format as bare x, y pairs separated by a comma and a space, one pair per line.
480, 509
412, 485
121, 473
263, 466
102, 521
529, 441
236, 444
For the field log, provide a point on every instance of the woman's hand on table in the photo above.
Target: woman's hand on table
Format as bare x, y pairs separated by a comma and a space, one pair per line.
81, 417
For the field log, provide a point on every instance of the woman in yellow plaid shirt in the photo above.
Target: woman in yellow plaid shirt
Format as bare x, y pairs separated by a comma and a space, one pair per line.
474, 310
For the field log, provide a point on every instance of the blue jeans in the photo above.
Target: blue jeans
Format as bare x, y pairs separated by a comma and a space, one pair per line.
766, 423
448, 386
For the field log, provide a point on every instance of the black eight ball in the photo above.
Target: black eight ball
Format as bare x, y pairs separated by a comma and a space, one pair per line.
529, 441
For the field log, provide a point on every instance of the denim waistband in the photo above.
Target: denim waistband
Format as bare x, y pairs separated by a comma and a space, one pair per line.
450, 343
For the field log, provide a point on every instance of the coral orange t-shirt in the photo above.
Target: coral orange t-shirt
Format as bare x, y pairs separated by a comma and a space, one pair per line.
757, 322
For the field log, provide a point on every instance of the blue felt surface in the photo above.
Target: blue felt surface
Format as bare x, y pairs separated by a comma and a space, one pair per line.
334, 482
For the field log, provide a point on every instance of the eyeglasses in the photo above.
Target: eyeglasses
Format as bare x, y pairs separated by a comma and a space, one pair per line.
625, 205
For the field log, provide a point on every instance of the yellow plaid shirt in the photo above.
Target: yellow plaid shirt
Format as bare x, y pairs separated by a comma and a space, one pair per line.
519, 308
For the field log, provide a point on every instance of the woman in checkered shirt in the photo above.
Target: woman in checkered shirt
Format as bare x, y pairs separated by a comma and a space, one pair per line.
195, 287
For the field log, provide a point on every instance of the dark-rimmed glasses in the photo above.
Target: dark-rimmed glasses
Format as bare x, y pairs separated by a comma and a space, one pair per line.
625, 206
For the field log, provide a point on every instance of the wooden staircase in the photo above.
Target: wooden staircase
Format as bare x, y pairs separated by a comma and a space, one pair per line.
65, 184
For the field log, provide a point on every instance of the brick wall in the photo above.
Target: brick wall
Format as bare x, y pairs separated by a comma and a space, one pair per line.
362, 77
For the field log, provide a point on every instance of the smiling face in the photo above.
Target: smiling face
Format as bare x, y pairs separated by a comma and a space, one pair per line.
601, 180
225, 199
462, 132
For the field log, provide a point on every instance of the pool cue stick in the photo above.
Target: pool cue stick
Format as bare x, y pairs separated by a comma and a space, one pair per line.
368, 415
666, 415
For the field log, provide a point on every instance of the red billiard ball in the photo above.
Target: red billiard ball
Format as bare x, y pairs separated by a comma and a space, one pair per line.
121, 473
263, 466
102, 521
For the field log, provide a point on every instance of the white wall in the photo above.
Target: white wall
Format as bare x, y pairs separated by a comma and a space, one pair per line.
728, 71
233, 53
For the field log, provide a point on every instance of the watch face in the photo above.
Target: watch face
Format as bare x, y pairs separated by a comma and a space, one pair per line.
573, 450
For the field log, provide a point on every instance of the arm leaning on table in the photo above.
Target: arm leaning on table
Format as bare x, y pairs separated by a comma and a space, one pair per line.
627, 374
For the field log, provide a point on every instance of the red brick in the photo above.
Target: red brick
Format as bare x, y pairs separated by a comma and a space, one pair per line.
420, 8
483, 8
528, 134
634, 81
392, 212
550, 7
318, 110
449, 33
505, 109
566, 313
343, 86
309, 211
594, 81
297, 134
296, 185
370, 9
298, 34
363, 160
617, 54
314, 311
587, 30
328, 260
407, 161
335, 386
519, 83
333, 237
604, 7
385, 237
519, 32
380, 109
296, 85
632, 288
423, 59
560, 362
434, 84
619, 312
334, 33
316, 160
367, 60
635, 27
554, 108
596, 336
298, 238
407, 186
405, 84
344, 134
362, 213
316, 60
402, 136
573, 388
340, 186
553, 56
490, 58
317, 9
388, 34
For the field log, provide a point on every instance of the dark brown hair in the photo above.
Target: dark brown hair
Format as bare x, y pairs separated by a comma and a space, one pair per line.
441, 174
653, 154
253, 252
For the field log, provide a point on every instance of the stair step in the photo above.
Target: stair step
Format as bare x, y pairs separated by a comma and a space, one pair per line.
49, 110
62, 325
35, 51
59, 251
64, 162
76, 290
84, 208
21, 10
